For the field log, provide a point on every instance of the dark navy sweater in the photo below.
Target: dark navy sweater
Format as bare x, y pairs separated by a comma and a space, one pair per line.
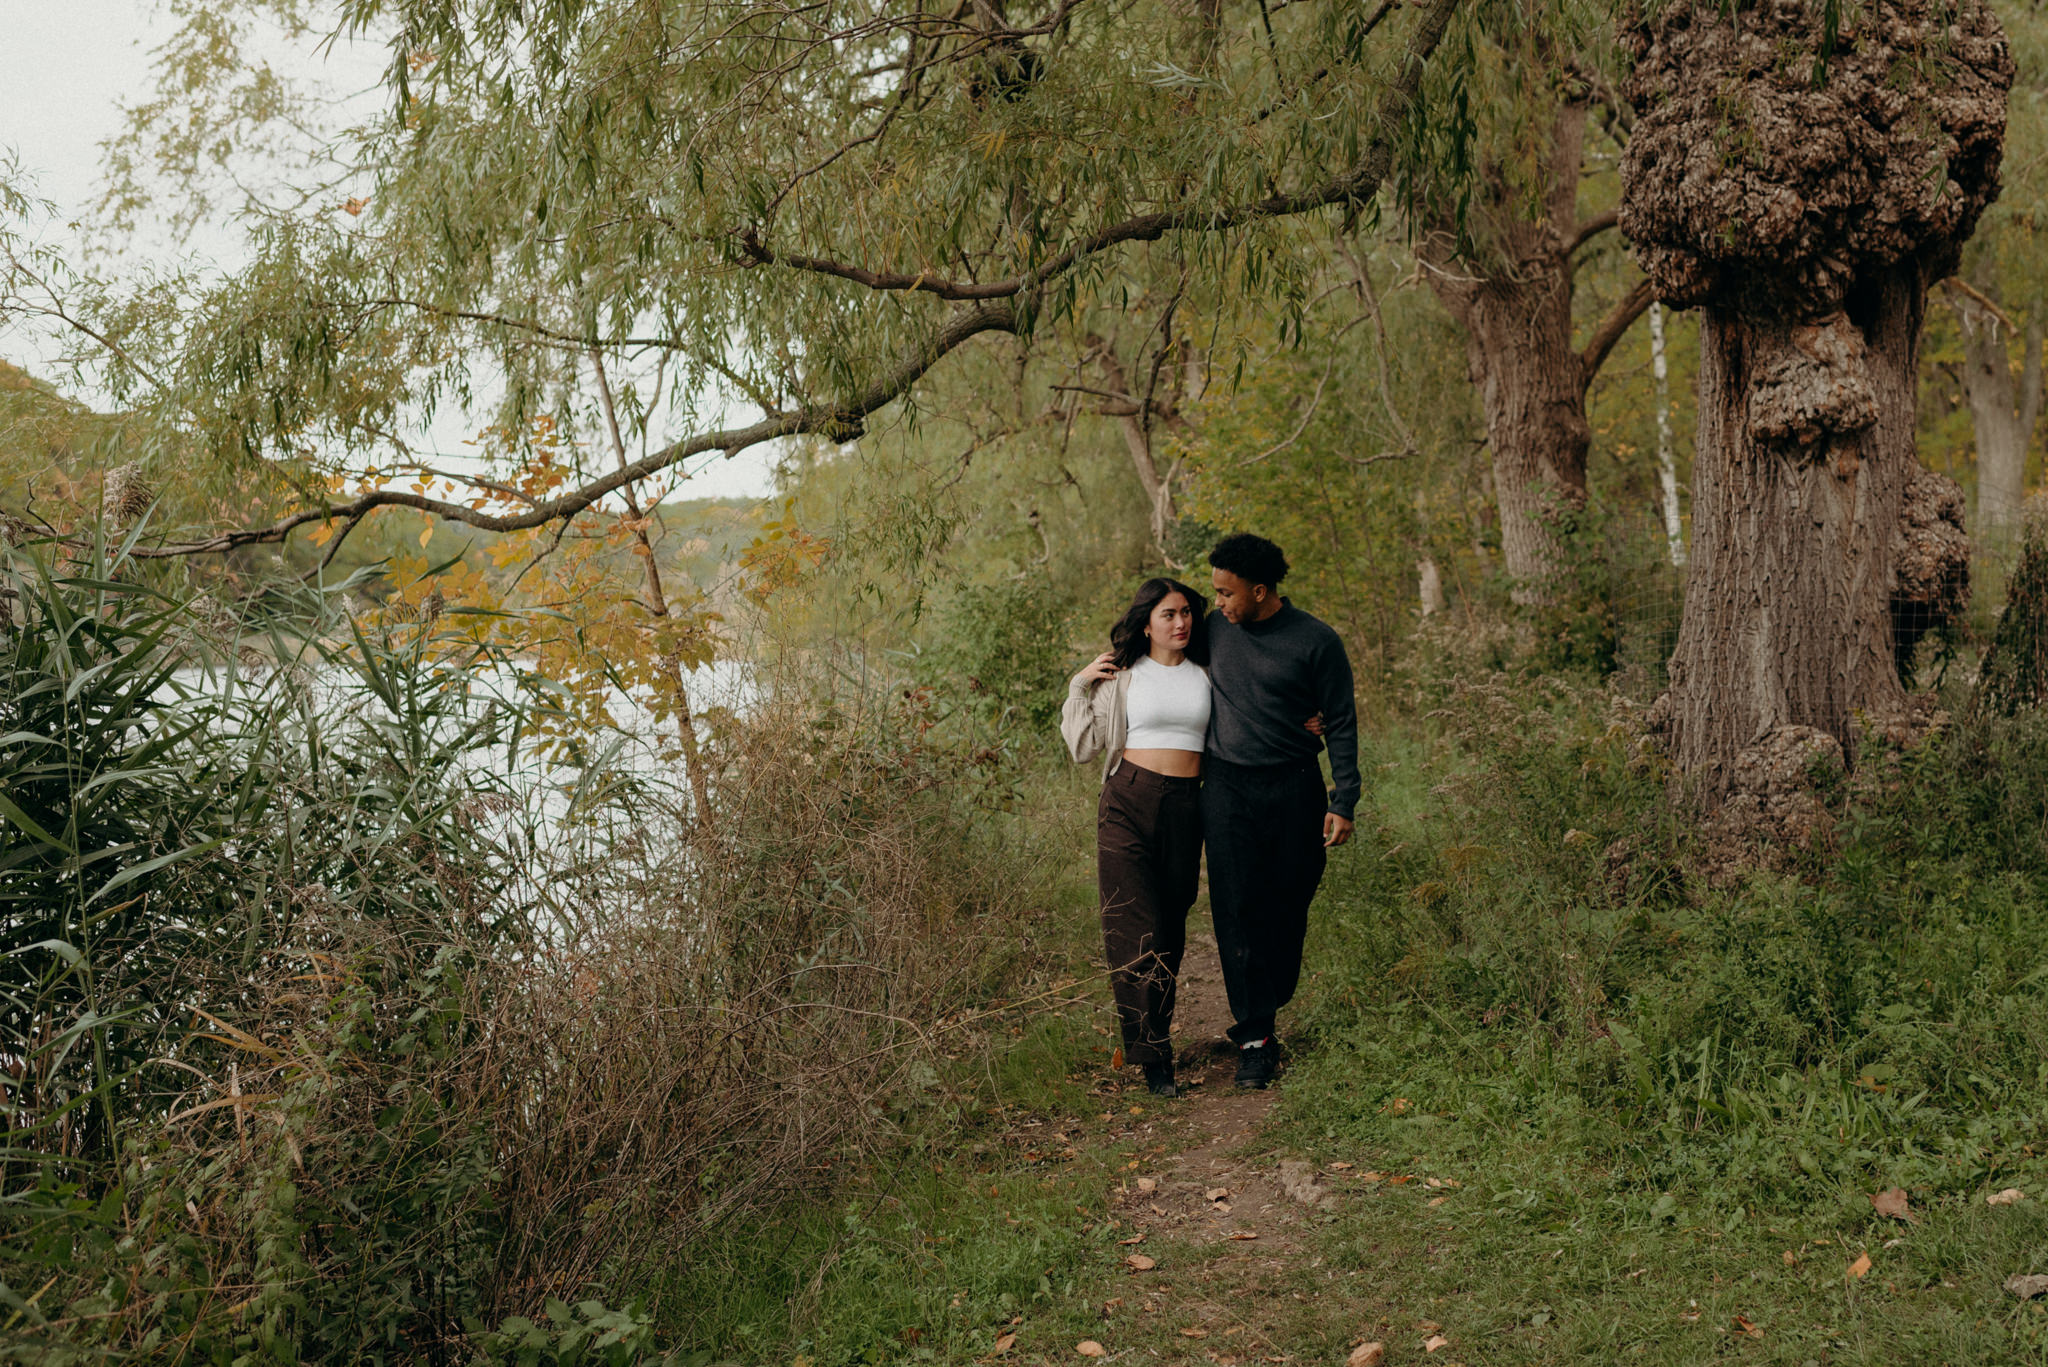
1266, 679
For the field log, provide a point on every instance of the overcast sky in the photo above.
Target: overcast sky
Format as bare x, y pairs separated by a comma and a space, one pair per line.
69, 67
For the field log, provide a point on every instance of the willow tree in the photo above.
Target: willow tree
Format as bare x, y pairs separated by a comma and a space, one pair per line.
1802, 184
714, 226
1502, 245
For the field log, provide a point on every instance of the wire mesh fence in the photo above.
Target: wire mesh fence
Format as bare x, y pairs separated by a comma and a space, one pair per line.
1646, 602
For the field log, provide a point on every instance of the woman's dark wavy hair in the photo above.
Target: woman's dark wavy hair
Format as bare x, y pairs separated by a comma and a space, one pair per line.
1127, 638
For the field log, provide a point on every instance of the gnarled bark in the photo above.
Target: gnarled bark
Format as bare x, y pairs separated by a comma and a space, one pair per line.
1805, 210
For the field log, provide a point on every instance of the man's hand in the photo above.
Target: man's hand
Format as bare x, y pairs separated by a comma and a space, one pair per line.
1101, 668
1336, 829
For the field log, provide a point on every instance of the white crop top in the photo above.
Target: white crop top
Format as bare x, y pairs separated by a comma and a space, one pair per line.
1167, 707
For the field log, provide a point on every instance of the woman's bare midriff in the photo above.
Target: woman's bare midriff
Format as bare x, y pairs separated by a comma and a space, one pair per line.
1172, 763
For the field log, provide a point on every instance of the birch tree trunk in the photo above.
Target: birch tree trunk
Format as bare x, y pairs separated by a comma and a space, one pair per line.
1667, 461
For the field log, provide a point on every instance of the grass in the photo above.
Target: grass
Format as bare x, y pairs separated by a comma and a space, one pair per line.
1667, 1104
1659, 1108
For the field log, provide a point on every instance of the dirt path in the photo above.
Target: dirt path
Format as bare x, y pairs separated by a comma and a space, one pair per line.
1222, 1266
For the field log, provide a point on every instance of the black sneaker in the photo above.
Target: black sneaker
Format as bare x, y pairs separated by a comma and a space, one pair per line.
1159, 1078
1256, 1063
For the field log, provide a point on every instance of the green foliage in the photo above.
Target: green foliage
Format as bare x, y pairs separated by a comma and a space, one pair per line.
584, 1335
1533, 948
1005, 646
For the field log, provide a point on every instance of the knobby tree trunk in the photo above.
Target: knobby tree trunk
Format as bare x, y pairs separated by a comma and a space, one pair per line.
2003, 412
1801, 218
1805, 450
1513, 297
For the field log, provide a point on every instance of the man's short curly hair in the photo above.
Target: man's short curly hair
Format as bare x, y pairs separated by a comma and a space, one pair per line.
1251, 558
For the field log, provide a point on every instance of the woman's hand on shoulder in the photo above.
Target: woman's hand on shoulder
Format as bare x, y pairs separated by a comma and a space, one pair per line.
1101, 669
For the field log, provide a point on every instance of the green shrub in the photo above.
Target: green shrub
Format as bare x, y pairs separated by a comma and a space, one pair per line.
1004, 647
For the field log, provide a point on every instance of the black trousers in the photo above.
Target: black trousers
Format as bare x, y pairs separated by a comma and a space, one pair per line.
1148, 860
1264, 828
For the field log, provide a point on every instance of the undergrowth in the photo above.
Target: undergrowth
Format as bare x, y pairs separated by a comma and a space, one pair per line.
339, 1025
1525, 980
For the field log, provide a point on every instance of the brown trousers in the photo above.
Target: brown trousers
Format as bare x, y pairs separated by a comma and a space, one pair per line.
1148, 859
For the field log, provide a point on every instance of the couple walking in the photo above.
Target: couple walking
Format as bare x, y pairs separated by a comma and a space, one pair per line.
1210, 725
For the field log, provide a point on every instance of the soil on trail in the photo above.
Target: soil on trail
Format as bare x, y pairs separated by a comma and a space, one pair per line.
1220, 1269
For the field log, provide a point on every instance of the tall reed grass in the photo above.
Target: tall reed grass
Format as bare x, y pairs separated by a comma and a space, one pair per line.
338, 1027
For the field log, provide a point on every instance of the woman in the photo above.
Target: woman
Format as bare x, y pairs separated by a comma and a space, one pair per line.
1144, 706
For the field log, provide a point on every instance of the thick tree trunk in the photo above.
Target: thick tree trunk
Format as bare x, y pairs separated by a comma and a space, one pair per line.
2004, 413
1821, 549
1804, 456
1516, 308
1519, 349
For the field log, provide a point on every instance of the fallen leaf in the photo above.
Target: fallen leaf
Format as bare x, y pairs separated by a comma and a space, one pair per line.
1116, 1058
1005, 1342
1367, 1355
1860, 1268
1791, 1258
1194, 1331
1743, 1326
1157, 1209
2026, 1288
1134, 1239
1243, 1234
1427, 1327
1116, 1304
1137, 1110
1138, 1262
1432, 1182
1089, 1348
1222, 1207
1438, 1200
1148, 1184
1397, 1181
1374, 1176
1215, 1193
1894, 1243
1892, 1205
1341, 1167
1434, 1342
2007, 1197
1400, 1104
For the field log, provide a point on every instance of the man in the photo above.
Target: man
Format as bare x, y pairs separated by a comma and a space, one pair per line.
1265, 816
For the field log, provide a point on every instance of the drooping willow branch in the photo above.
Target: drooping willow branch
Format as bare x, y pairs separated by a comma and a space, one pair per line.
1002, 306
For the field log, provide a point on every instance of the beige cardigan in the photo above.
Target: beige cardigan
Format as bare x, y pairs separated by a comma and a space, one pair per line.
1092, 719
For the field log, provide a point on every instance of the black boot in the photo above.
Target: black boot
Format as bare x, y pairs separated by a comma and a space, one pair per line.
1256, 1063
1159, 1078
